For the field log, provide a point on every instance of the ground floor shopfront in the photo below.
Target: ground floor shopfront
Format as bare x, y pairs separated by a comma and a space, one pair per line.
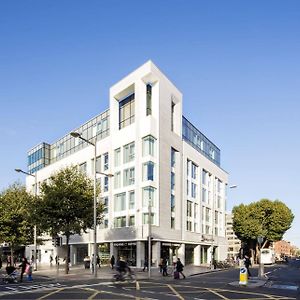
136, 252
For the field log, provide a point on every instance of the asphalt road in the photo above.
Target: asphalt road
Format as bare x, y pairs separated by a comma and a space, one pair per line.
204, 286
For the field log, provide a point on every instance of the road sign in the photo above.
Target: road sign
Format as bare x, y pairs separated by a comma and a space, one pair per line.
243, 276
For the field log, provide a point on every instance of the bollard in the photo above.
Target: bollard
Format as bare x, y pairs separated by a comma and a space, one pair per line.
243, 276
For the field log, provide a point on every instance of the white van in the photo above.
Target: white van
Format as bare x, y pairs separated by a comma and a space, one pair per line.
267, 256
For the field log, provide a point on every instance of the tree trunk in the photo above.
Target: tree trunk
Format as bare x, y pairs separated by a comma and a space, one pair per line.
67, 256
12, 255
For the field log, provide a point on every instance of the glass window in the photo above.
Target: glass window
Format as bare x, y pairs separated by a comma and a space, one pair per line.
129, 152
194, 171
195, 210
126, 111
105, 166
194, 190
173, 157
187, 187
131, 200
189, 208
131, 220
172, 180
146, 218
120, 222
128, 176
148, 196
149, 100
148, 145
105, 223
172, 203
105, 185
204, 177
188, 225
204, 195
172, 222
82, 168
105, 205
216, 218
117, 180
148, 171
118, 157
207, 214
120, 202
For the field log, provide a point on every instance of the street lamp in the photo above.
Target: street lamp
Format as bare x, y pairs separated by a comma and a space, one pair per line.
34, 229
78, 135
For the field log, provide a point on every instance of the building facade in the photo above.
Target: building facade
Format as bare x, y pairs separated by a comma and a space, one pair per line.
234, 244
156, 156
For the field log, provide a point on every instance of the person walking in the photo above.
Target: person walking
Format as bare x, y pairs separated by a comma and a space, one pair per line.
112, 262
145, 265
165, 267
24, 264
51, 260
98, 261
179, 268
247, 263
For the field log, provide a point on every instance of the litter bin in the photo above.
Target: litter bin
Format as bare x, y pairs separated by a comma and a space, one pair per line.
86, 262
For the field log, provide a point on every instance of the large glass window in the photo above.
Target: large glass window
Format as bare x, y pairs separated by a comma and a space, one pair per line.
117, 180
146, 218
129, 152
120, 202
204, 177
120, 222
126, 111
118, 157
82, 168
105, 185
194, 190
148, 171
131, 220
131, 200
128, 176
105, 161
204, 195
188, 225
194, 171
149, 100
105, 205
149, 145
148, 196
172, 222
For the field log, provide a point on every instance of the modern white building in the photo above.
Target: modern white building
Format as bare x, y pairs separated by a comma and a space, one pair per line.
156, 155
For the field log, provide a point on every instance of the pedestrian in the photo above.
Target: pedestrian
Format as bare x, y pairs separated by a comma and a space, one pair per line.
51, 260
98, 261
179, 267
24, 264
57, 260
92, 263
161, 265
247, 263
112, 262
165, 267
8, 261
145, 265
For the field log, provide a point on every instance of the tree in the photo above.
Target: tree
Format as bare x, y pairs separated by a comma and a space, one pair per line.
66, 205
270, 219
16, 222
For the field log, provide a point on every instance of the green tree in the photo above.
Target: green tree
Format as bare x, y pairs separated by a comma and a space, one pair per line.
16, 222
270, 219
66, 205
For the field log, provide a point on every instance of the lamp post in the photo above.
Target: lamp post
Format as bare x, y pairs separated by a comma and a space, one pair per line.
149, 238
34, 228
78, 135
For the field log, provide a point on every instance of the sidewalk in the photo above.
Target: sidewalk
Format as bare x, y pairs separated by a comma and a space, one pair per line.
79, 272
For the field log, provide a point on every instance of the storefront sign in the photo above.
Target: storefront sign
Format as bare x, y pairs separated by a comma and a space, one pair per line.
121, 244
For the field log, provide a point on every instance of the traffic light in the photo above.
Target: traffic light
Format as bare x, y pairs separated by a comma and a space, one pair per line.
56, 241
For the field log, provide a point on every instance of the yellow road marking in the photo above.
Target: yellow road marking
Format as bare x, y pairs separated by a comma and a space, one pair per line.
217, 294
91, 290
52, 293
175, 292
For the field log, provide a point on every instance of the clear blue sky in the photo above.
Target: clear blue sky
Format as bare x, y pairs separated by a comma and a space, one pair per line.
236, 62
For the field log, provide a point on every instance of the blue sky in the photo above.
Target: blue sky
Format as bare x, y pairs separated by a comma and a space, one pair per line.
237, 64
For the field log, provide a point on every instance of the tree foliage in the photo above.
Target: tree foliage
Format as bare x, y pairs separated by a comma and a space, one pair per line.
270, 219
66, 204
16, 222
